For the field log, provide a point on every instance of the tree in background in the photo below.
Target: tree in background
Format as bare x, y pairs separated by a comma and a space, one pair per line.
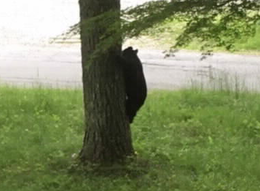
215, 23
107, 138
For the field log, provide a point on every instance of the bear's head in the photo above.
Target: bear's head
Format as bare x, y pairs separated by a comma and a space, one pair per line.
131, 55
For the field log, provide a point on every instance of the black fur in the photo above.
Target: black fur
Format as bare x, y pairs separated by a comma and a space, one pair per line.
135, 84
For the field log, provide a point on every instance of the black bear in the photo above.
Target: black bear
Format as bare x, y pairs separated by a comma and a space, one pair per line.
135, 84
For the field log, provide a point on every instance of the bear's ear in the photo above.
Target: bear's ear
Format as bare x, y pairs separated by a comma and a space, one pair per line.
136, 51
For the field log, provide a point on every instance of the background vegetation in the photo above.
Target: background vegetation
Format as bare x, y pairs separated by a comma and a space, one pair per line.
200, 25
164, 35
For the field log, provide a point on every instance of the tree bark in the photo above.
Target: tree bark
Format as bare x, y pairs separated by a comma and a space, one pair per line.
107, 137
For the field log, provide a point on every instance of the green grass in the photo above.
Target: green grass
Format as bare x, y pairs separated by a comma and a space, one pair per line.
187, 140
252, 43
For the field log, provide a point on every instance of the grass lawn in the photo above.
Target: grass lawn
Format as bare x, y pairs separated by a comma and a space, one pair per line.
186, 140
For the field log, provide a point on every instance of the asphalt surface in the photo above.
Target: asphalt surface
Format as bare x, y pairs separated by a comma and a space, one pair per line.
60, 66
27, 59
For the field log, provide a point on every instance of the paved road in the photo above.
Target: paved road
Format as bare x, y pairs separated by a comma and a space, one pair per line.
59, 66
26, 59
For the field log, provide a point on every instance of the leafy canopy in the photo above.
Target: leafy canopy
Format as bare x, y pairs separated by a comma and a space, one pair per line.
215, 23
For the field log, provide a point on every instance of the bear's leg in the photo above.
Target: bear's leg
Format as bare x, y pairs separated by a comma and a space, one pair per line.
131, 109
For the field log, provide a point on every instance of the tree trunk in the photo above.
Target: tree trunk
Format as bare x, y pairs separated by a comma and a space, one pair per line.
107, 137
